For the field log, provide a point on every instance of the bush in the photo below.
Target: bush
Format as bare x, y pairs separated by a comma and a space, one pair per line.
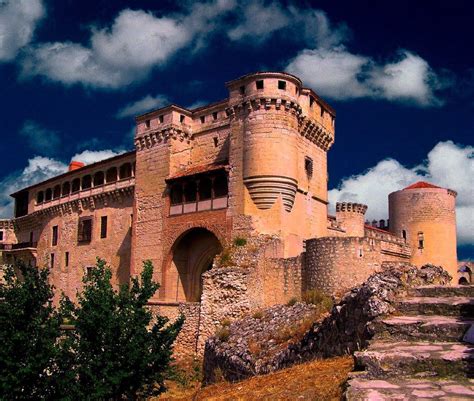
322, 301
118, 348
29, 331
239, 241
223, 334
225, 258
292, 301
257, 314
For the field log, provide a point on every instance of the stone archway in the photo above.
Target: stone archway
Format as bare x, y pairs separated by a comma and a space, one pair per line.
191, 255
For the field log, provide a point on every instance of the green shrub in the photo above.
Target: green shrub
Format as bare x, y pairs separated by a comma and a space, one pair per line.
239, 241
225, 258
223, 334
292, 301
225, 322
257, 314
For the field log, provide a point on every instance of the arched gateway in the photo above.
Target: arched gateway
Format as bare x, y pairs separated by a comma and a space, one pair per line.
191, 255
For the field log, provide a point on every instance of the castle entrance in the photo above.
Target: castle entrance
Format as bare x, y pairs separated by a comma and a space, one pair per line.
191, 255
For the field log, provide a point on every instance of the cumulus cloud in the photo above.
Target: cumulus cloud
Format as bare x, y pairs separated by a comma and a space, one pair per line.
143, 105
38, 169
342, 75
93, 156
18, 20
448, 165
39, 138
127, 51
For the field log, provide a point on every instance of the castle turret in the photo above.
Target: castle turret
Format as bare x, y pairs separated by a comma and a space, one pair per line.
425, 216
351, 218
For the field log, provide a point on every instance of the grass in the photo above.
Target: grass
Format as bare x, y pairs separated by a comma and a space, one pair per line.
317, 380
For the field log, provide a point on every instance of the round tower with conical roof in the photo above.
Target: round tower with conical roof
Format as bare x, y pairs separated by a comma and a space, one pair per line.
424, 214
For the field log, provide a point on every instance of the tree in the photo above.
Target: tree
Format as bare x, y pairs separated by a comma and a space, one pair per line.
118, 348
29, 331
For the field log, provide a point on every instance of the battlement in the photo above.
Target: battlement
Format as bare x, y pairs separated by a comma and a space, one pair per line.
350, 207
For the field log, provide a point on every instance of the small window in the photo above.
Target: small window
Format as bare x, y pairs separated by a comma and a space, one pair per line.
242, 90
160, 119
103, 227
190, 192
51, 260
66, 259
259, 84
216, 141
322, 111
360, 253
125, 171
111, 175
57, 192
40, 197
214, 115
404, 235
54, 240
31, 238
1, 235
147, 123
89, 270
421, 240
282, 85
181, 118
308, 166
66, 189
311, 101
86, 182
220, 186
49, 195
176, 194
205, 189
85, 230
203, 119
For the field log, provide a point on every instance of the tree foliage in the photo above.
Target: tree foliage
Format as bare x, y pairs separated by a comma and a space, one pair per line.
29, 331
117, 350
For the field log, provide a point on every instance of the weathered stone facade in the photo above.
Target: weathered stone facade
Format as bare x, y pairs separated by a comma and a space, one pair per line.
252, 166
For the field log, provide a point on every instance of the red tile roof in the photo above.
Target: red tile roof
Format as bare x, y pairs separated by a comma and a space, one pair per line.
421, 184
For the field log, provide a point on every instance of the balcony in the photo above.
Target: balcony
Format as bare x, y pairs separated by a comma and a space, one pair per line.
199, 206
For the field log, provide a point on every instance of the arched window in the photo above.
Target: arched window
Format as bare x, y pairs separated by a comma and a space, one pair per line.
48, 195
404, 235
190, 190
176, 194
57, 192
220, 186
125, 171
111, 175
421, 240
66, 189
99, 178
86, 182
40, 197
205, 189
76, 185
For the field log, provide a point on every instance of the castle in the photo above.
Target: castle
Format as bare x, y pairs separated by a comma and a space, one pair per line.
251, 166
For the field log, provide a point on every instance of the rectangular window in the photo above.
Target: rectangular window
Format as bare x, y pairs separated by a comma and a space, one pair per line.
85, 230
52, 261
203, 119
181, 118
214, 115
103, 227
1, 235
242, 90
147, 123
66, 259
308, 166
259, 84
282, 85
54, 240
160, 118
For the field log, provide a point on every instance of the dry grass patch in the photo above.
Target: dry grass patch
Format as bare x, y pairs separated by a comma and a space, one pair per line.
317, 380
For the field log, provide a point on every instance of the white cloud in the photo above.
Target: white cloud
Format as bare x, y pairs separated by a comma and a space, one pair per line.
258, 21
125, 52
143, 105
447, 165
39, 138
93, 156
341, 75
38, 169
18, 20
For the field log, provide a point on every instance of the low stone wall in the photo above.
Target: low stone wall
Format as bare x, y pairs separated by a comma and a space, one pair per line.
344, 331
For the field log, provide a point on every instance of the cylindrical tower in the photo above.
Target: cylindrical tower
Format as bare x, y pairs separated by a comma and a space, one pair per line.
270, 147
425, 216
351, 218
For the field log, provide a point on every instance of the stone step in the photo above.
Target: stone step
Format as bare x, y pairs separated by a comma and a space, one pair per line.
446, 306
442, 291
360, 389
422, 328
401, 359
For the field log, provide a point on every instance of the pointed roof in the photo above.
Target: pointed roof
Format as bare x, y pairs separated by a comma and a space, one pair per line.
421, 184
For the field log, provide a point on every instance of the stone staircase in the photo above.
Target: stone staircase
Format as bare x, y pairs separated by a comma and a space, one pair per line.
420, 352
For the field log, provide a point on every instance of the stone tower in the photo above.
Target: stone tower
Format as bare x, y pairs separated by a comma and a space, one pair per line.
351, 218
424, 215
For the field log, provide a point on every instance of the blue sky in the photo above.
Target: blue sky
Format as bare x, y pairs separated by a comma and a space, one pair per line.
399, 74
